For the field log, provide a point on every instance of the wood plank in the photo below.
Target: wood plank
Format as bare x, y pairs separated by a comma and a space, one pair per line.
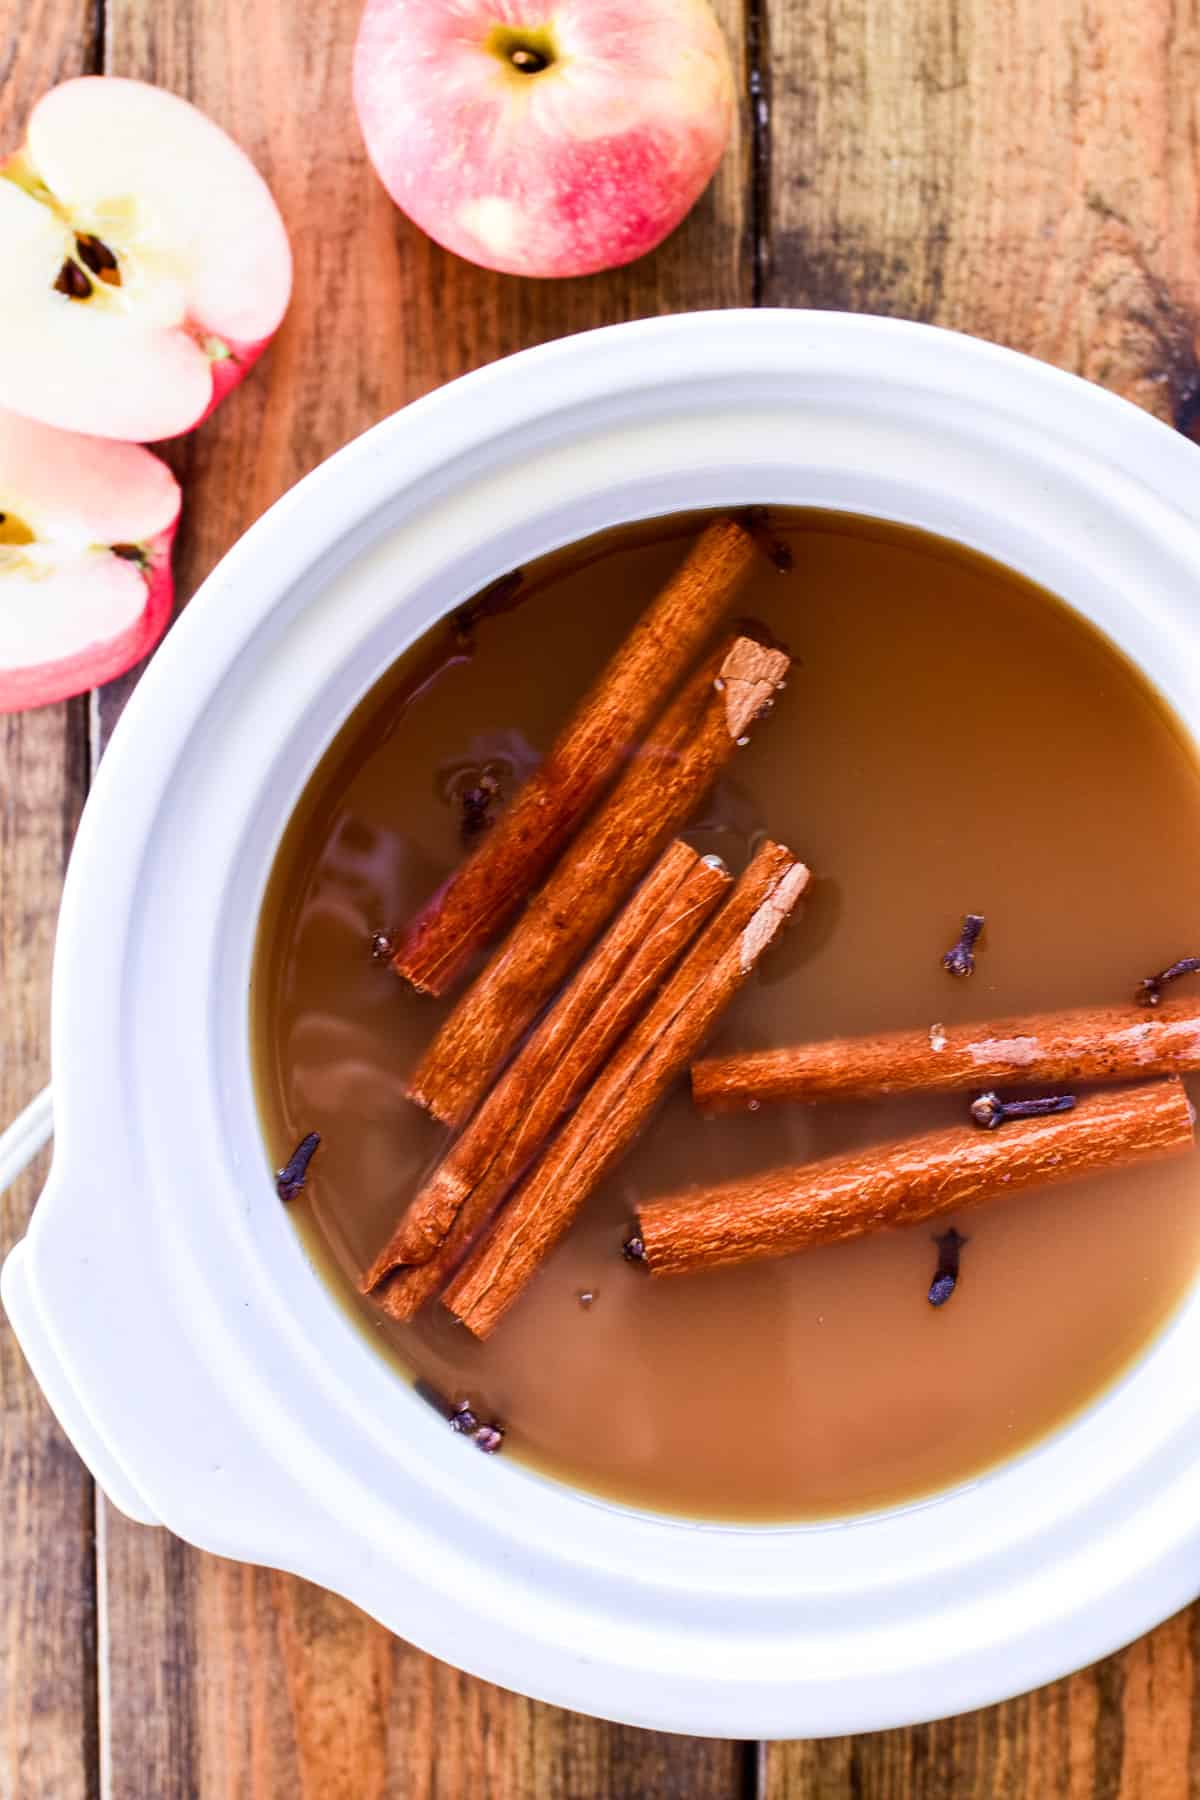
269, 1686
47, 1568
1121, 1730
1027, 173
223, 1680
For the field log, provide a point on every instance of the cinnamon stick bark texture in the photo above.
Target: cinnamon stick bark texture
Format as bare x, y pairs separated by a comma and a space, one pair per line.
789, 1210
550, 1072
676, 765
1115, 1043
477, 900
628, 1088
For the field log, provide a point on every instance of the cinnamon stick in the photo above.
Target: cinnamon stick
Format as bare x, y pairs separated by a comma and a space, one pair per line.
474, 904
794, 1209
1113, 1043
624, 1094
549, 1074
693, 740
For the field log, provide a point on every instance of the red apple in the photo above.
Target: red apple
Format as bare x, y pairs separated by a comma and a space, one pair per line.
85, 559
143, 263
554, 138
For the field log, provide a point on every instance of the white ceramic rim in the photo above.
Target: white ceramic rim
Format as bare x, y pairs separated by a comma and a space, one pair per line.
165, 1301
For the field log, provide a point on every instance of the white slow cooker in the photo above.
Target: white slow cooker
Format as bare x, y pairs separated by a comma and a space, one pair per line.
206, 1374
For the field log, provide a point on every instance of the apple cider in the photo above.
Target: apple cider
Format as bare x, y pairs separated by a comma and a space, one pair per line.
950, 741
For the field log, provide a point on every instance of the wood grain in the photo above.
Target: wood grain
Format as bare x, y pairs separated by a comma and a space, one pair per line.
1025, 171
221, 1680
1121, 1730
268, 1686
48, 1725
47, 1638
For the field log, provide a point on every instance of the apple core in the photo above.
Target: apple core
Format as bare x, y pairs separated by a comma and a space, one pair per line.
530, 51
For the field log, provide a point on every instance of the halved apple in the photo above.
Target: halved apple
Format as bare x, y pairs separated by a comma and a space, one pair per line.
143, 263
85, 559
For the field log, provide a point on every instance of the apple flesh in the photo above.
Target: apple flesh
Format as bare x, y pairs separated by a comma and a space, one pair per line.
85, 560
555, 139
143, 263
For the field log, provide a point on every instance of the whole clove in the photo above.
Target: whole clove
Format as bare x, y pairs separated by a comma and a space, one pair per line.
495, 765
289, 1181
485, 1435
1149, 991
757, 521
989, 1110
949, 1244
961, 959
502, 596
476, 802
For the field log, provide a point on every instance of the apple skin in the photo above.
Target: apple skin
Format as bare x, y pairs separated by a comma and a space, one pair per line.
583, 165
87, 590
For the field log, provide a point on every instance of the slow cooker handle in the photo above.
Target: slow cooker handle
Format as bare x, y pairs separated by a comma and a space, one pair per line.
25, 1137
37, 1341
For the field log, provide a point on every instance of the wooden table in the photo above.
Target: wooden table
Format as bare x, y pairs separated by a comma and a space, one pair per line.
1023, 169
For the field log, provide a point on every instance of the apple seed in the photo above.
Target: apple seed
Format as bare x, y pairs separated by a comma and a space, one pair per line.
73, 282
99, 258
14, 530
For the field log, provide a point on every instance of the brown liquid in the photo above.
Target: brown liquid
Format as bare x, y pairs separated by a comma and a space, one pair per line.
952, 739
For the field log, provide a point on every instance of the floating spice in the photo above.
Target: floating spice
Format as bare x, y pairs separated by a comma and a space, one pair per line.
1050, 1051
949, 1243
487, 1437
634, 1250
546, 1079
504, 595
757, 521
1150, 990
989, 1110
289, 1181
476, 800
462, 1418
961, 959
589, 753
785, 1211
692, 741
